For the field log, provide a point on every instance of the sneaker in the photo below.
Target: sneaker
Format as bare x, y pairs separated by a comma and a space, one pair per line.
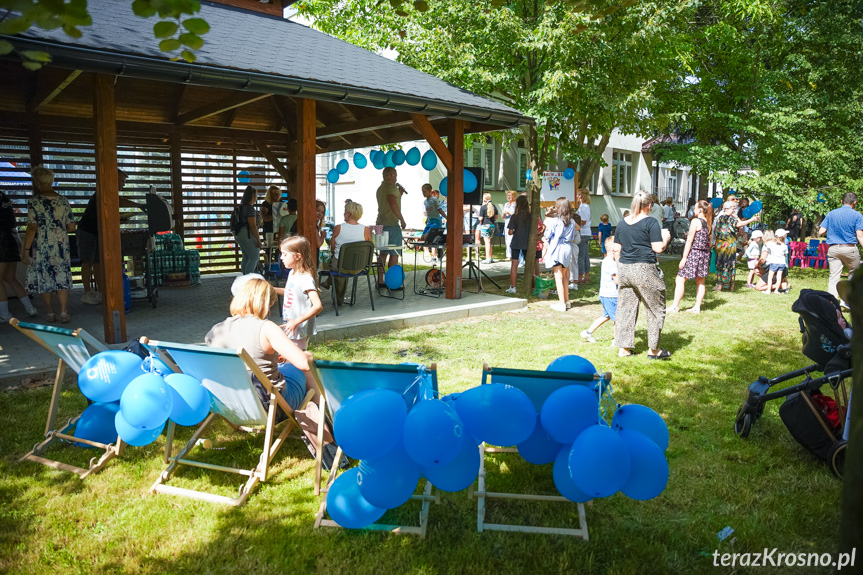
558, 307
510, 290
32, 312
588, 336
487, 261
749, 285
92, 298
573, 287
568, 305
552, 292
672, 309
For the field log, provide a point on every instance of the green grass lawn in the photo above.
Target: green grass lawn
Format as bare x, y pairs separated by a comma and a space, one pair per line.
767, 488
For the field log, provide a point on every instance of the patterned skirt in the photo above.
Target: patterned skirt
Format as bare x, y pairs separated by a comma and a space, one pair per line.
697, 265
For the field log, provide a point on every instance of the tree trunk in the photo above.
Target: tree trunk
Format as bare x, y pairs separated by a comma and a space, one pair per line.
588, 168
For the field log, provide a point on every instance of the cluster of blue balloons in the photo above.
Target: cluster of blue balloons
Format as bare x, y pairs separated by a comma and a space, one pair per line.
752, 209
135, 405
380, 160
592, 459
396, 447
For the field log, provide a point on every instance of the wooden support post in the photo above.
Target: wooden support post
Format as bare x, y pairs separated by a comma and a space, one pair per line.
305, 183
455, 217
110, 258
177, 183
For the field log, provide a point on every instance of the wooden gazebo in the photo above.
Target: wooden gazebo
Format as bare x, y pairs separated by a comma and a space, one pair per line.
261, 86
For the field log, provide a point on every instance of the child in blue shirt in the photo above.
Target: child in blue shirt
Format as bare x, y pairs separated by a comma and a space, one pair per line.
607, 290
603, 231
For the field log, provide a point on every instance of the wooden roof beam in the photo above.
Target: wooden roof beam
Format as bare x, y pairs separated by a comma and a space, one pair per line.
49, 84
392, 120
273, 159
219, 106
431, 136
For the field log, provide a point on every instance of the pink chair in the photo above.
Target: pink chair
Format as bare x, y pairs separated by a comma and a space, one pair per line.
820, 261
798, 257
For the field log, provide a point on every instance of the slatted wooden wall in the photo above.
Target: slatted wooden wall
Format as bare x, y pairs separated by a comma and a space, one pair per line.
209, 179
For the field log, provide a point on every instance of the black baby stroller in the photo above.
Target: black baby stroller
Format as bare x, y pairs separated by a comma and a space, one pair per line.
814, 419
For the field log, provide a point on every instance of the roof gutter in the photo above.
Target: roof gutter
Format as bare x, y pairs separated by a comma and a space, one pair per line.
92, 60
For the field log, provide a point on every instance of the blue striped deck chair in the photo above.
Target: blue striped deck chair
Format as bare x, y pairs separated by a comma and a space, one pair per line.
338, 381
226, 373
72, 351
538, 385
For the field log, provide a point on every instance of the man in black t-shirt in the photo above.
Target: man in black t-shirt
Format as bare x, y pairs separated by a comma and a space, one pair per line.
88, 243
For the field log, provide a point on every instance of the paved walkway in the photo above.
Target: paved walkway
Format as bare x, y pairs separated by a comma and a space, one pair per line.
186, 314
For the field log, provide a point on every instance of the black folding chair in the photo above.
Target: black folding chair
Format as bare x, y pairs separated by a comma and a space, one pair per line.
355, 260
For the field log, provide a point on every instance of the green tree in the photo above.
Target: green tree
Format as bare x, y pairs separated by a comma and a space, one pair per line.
175, 31
769, 94
579, 70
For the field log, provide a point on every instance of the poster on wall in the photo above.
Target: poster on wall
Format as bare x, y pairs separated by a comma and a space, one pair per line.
556, 185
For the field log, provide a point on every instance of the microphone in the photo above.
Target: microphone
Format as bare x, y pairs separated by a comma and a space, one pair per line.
402, 188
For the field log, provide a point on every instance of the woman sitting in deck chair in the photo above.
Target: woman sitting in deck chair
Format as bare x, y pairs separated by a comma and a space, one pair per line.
249, 328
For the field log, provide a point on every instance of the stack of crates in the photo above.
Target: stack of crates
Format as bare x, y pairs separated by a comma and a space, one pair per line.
170, 259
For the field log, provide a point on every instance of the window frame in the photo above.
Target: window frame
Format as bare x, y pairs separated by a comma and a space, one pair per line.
616, 165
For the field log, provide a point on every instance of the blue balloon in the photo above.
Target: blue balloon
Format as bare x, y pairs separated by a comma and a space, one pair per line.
97, 423
395, 277
599, 461
433, 433
644, 420
756, 207
429, 161
497, 414
343, 166
399, 157
568, 411
388, 159
389, 480
527, 175
563, 479
152, 364
716, 203
821, 198
333, 176
458, 474
539, 448
746, 212
413, 156
104, 376
191, 400
347, 506
649, 473
569, 173
147, 401
469, 181
135, 435
442, 187
571, 364
243, 176
369, 423
360, 161
378, 159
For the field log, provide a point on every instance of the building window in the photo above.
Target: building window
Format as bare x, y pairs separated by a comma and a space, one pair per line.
593, 184
621, 173
671, 185
521, 182
482, 156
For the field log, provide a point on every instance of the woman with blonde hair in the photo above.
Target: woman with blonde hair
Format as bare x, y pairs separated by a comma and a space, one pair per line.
583, 197
267, 216
249, 328
348, 232
640, 280
49, 223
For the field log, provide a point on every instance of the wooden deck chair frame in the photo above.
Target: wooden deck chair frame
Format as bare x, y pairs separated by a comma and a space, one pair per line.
72, 352
330, 400
256, 416
538, 385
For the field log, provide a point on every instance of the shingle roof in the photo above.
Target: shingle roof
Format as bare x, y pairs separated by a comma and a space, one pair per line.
257, 52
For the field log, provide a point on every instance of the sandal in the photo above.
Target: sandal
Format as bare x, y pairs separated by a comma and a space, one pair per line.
64, 317
672, 309
693, 310
630, 354
51, 317
663, 354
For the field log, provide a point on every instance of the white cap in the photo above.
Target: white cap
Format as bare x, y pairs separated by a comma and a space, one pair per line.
240, 281
781, 232
756, 234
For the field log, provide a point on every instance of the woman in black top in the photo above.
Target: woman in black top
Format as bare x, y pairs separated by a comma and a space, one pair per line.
639, 278
248, 237
486, 228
